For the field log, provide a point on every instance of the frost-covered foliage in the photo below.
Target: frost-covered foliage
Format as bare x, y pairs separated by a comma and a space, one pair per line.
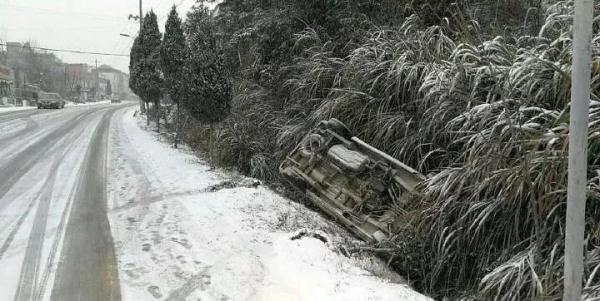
206, 86
146, 78
172, 62
172, 56
485, 118
489, 122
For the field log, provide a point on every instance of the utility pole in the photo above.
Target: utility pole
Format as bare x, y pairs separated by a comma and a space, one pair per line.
97, 82
141, 16
64, 90
578, 144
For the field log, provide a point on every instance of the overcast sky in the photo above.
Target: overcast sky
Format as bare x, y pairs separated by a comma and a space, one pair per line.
86, 25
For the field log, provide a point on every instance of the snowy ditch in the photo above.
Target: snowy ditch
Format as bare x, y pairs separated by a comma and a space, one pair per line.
184, 231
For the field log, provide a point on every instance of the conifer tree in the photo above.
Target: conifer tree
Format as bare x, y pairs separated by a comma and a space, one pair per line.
134, 59
172, 60
146, 80
206, 84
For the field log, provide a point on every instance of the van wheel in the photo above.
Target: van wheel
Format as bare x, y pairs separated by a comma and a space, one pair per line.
313, 144
338, 127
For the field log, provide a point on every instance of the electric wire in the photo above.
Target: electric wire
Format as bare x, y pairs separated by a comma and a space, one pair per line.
74, 51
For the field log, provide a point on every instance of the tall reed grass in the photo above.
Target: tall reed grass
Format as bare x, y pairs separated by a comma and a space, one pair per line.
486, 121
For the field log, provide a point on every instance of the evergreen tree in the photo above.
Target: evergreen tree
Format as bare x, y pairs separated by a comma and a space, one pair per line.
145, 79
135, 58
172, 54
172, 59
206, 85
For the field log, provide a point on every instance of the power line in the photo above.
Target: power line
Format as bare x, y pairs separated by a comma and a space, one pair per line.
75, 51
38, 10
123, 44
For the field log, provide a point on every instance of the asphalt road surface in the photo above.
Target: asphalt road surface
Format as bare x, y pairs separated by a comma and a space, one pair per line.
55, 239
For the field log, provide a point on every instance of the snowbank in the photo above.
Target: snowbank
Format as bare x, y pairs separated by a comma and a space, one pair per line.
73, 104
12, 109
184, 231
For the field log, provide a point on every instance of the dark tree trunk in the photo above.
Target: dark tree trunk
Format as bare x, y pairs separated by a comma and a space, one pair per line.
177, 122
157, 114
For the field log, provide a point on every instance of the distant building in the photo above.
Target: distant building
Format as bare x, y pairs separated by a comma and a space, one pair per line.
76, 71
81, 81
38, 70
119, 81
7, 84
102, 84
16, 54
88, 84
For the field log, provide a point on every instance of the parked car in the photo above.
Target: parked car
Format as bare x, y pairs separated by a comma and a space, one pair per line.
360, 186
115, 99
50, 101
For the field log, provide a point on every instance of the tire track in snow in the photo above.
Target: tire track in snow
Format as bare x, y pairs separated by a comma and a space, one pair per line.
19, 165
87, 268
55, 243
29, 268
21, 219
10, 116
16, 228
46, 124
28, 278
6, 113
41, 291
30, 124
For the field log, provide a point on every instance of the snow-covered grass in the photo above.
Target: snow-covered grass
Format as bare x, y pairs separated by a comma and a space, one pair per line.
486, 120
185, 231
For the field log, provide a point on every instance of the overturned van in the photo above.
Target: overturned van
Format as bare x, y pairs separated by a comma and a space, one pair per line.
358, 185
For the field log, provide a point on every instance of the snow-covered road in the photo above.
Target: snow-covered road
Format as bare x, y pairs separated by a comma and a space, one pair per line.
55, 240
93, 207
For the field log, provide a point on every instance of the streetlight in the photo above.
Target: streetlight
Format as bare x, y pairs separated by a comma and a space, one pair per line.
125, 35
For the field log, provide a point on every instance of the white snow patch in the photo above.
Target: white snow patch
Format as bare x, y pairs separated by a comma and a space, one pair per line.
177, 238
74, 104
8, 128
12, 109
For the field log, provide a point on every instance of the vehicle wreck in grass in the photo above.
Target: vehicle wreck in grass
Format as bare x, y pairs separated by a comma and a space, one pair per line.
360, 186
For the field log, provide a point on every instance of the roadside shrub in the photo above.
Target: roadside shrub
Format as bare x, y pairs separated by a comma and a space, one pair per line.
485, 117
489, 123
